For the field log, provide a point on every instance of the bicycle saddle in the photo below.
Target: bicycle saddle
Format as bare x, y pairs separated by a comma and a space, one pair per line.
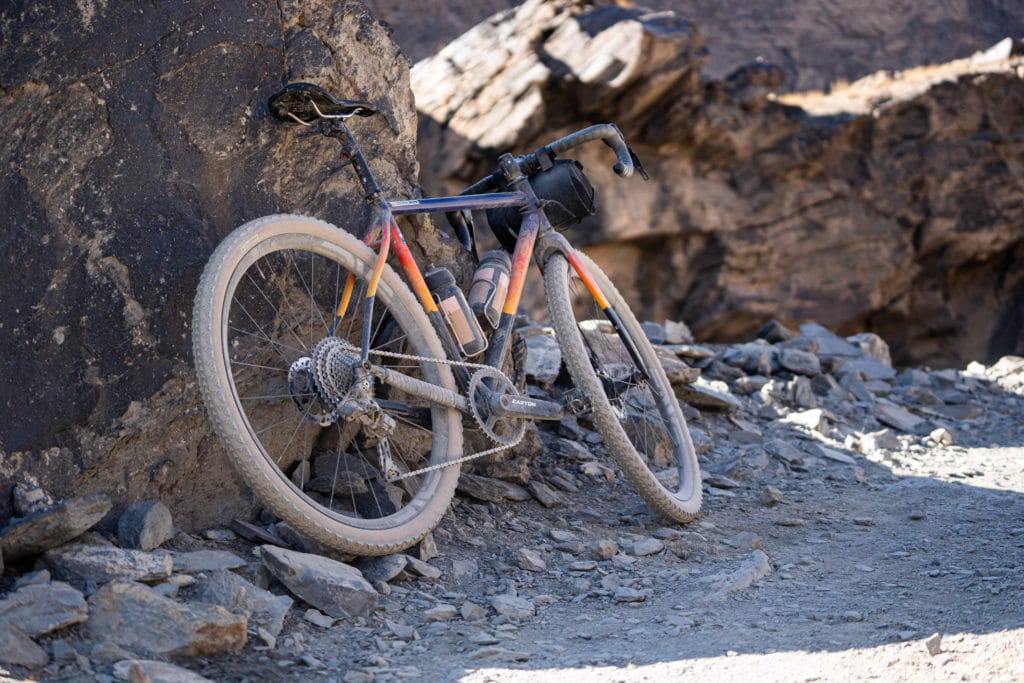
302, 100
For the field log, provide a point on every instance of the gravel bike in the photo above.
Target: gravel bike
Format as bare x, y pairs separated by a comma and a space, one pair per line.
339, 390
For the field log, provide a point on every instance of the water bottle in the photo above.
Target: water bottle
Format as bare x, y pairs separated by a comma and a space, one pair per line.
490, 286
456, 311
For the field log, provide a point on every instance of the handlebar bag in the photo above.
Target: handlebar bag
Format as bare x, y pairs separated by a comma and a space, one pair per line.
566, 196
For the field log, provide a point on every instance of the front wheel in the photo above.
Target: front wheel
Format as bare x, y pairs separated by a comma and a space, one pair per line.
633, 405
274, 356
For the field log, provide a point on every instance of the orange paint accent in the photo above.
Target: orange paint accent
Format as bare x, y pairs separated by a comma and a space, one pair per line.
588, 281
412, 271
382, 257
520, 264
346, 297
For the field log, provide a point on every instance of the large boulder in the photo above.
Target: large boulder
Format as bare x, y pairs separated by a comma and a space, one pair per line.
897, 209
135, 139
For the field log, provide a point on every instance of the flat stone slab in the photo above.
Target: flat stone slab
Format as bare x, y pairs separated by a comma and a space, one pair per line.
197, 561
333, 587
40, 608
35, 534
896, 416
702, 394
80, 563
18, 649
140, 620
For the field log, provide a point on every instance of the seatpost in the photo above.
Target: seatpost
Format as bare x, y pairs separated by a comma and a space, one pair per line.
350, 150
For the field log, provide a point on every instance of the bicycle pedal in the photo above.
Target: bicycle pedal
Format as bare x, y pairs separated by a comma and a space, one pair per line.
576, 402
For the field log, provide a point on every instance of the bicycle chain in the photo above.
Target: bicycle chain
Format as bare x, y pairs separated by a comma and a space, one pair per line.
465, 458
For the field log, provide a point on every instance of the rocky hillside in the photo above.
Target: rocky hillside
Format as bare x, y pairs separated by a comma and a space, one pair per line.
900, 216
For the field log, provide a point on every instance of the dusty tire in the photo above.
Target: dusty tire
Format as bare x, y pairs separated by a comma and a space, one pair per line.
637, 440
264, 300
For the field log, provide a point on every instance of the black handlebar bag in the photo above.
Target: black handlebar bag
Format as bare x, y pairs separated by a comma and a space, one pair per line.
566, 196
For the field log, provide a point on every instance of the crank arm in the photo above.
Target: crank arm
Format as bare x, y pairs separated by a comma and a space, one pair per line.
505, 405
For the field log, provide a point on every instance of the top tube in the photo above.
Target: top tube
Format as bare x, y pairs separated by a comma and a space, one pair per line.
469, 202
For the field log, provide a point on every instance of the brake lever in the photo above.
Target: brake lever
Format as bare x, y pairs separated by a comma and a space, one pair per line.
638, 165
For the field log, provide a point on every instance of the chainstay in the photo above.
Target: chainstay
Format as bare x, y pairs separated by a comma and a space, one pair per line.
465, 458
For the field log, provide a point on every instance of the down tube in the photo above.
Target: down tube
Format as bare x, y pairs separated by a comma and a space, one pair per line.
498, 348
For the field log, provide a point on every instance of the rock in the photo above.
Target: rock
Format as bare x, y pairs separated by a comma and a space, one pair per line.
317, 618
96, 564
197, 561
155, 671
942, 436
829, 344
499, 654
753, 568
829, 454
28, 498
427, 548
332, 587
705, 394
784, 451
530, 560
627, 594
604, 549
809, 419
896, 416
220, 535
383, 568
744, 540
53, 527
800, 362
236, 594
135, 617
720, 481
801, 393
873, 346
543, 358
677, 333
255, 534
755, 358
773, 331
441, 612
18, 649
646, 546
868, 368
492, 490
934, 644
655, 332
418, 568
179, 95
472, 612
512, 606
544, 494
41, 608
145, 526
770, 496
852, 382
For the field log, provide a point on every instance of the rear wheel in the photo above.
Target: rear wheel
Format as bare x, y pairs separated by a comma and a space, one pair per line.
632, 403
271, 369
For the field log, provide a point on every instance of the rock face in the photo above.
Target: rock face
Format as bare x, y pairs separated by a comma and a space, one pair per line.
903, 218
136, 140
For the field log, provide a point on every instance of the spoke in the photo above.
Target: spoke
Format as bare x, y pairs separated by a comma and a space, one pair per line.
261, 367
273, 396
284, 297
